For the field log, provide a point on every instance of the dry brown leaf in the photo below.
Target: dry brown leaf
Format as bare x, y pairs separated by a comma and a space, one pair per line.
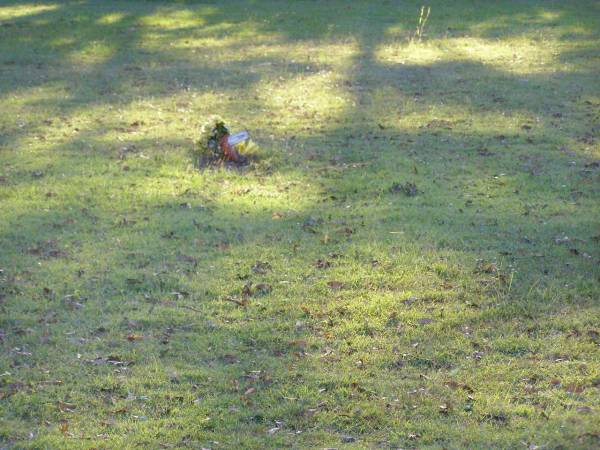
247, 290
263, 288
297, 343
63, 426
134, 337
574, 388
261, 267
66, 407
230, 359
336, 285
188, 259
322, 264
231, 299
452, 384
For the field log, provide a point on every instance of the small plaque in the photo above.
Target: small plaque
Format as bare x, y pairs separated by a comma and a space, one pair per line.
236, 138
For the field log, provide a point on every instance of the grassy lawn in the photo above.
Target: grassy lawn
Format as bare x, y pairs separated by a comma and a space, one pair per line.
411, 259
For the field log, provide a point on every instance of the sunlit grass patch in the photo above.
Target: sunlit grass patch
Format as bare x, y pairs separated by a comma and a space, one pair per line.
519, 56
175, 18
24, 9
95, 52
409, 259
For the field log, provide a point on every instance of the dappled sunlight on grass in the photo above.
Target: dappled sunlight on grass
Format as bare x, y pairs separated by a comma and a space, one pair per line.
314, 96
518, 56
94, 52
111, 18
176, 18
25, 9
409, 259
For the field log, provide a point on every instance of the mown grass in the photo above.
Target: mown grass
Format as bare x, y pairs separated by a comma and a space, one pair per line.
458, 313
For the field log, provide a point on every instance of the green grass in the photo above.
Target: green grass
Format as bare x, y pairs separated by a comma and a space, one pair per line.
465, 316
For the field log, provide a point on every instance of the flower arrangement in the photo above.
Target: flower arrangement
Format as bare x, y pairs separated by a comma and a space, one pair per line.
213, 143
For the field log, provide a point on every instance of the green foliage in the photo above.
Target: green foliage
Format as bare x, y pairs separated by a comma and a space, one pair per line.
207, 145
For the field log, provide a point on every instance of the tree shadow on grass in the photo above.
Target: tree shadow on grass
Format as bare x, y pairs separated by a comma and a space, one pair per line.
166, 312
148, 276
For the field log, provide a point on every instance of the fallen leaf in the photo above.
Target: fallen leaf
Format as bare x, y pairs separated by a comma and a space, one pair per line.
336, 285
63, 426
66, 407
486, 267
12, 389
477, 355
574, 388
223, 245
47, 249
188, 259
322, 264
263, 288
310, 224
261, 267
236, 301
230, 359
408, 189
113, 360
452, 384
310, 412
247, 290
297, 343
134, 337
242, 191
497, 417
593, 164
410, 300
347, 231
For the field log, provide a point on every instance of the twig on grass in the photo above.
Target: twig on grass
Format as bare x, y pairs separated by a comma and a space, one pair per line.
423, 16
